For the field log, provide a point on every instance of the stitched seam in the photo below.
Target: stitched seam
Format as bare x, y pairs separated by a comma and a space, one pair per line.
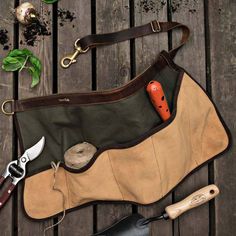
114, 175
67, 186
154, 150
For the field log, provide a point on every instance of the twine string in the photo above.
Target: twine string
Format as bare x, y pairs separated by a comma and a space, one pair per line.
55, 168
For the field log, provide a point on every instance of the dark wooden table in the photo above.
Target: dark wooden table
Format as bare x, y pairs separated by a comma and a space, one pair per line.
210, 56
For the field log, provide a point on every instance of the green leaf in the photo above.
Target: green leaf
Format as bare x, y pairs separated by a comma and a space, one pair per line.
36, 72
36, 63
12, 64
19, 59
35, 76
49, 1
18, 52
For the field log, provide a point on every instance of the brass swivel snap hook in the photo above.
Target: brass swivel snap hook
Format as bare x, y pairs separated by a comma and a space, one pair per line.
70, 59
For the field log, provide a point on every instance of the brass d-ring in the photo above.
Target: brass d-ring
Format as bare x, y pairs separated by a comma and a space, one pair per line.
4, 105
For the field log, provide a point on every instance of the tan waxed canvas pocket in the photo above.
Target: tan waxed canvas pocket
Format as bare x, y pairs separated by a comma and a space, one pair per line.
95, 190
138, 165
141, 173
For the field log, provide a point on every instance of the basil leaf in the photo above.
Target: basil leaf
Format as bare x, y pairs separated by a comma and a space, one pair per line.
36, 63
50, 1
18, 60
18, 52
35, 76
12, 64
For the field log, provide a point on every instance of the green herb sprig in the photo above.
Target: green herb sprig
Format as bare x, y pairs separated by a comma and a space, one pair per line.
49, 1
18, 59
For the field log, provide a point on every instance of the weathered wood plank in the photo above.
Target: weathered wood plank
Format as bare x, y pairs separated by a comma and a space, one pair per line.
113, 61
146, 51
223, 64
77, 78
192, 58
6, 92
148, 47
43, 50
222, 21
113, 70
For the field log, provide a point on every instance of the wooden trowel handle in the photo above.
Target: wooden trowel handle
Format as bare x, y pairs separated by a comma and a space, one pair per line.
197, 198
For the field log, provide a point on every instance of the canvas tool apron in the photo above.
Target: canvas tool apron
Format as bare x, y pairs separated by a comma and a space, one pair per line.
140, 158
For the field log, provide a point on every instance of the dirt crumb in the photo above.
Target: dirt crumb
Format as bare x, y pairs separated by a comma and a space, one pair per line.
192, 10
4, 39
175, 5
65, 16
180, 5
33, 31
147, 6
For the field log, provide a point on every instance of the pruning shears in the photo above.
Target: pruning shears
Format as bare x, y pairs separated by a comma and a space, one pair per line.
16, 169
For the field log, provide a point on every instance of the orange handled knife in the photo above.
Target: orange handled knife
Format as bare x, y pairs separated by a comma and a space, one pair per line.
158, 99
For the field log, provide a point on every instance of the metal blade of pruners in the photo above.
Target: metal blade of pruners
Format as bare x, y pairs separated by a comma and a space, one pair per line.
16, 169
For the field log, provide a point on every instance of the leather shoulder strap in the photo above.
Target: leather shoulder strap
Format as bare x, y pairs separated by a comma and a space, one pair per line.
95, 40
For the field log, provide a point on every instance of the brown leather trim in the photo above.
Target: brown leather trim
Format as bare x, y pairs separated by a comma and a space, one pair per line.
96, 97
95, 40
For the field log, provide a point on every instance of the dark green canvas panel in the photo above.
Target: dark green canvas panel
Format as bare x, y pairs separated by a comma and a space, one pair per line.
103, 124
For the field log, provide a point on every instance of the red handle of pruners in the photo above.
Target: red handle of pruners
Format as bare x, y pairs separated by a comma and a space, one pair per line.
6, 194
158, 99
2, 179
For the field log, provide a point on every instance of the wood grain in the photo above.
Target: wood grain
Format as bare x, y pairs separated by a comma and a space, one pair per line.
192, 58
148, 47
195, 199
6, 130
222, 22
113, 70
113, 61
146, 52
77, 78
43, 50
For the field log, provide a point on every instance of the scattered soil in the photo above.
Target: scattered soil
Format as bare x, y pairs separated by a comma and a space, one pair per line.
65, 16
147, 6
192, 10
175, 5
189, 5
40, 28
4, 39
34, 30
